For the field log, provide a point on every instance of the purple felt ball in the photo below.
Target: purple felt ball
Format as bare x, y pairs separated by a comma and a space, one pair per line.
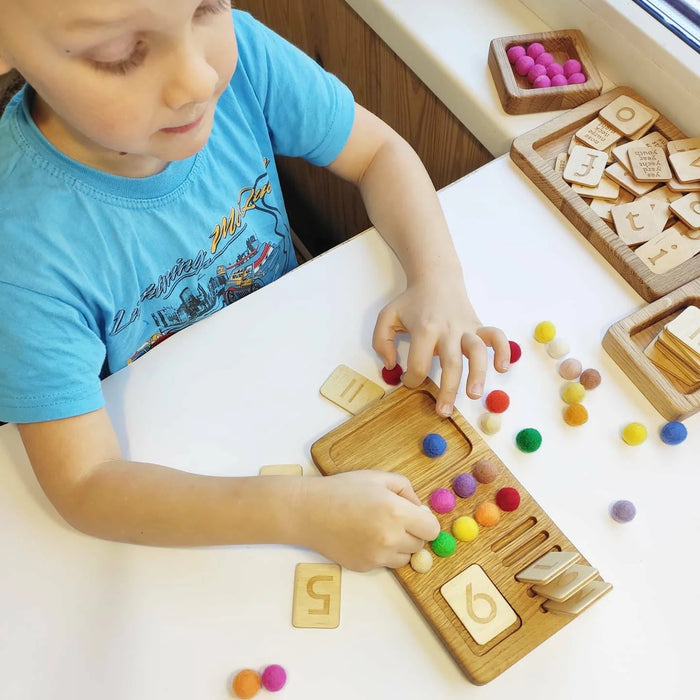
542, 82
523, 65
515, 52
571, 66
464, 485
273, 678
559, 80
622, 511
576, 79
442, 500
535, 49
544, 59
554, 69
535, 72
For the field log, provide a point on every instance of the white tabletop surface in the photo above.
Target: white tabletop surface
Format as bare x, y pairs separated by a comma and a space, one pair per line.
82, 618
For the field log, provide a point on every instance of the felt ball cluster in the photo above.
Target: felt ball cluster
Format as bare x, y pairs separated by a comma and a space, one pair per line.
537, 64
498, 401
247, 682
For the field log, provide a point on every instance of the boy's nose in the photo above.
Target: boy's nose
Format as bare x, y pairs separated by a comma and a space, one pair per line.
190, 80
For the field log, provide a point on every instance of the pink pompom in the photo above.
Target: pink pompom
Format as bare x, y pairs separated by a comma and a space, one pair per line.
554, 69
442, 500
535, 72
576, 78
273, 678
542, 82
559, 80
523, 65
544, 59
571, 66
535, 49
515, 52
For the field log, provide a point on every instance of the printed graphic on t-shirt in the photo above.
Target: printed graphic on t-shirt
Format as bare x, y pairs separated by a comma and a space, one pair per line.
248, 249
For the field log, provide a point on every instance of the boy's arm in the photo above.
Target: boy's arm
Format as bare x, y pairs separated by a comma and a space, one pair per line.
362, 519
435, 310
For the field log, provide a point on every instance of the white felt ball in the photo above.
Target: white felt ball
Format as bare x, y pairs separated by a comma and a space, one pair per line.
557, 348
421, 561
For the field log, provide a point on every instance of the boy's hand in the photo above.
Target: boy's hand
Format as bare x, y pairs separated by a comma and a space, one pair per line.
365, 519
441, 321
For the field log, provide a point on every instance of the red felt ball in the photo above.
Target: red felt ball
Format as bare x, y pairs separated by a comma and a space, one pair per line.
497, 401
515, 351
392, 376
507, 498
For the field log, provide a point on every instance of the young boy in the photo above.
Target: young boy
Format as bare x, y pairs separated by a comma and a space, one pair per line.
138, 193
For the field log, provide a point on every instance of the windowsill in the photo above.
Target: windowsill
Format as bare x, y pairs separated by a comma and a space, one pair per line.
446, 45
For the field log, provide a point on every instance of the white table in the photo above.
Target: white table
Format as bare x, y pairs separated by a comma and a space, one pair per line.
82, 618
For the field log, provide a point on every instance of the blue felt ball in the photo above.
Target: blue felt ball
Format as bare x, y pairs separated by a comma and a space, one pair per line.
434, 445
674, 433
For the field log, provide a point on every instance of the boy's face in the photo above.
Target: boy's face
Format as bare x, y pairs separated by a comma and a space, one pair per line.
125, 86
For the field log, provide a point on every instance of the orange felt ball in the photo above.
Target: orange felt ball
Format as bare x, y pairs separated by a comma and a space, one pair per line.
497, 401
575, 414
246, 683
487, 514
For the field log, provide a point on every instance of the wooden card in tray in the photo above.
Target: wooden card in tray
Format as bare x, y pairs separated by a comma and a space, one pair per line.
515, 92
626, 340
389, 436
535, 153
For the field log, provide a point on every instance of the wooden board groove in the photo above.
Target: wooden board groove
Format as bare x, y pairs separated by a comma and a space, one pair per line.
535, 151
389, 436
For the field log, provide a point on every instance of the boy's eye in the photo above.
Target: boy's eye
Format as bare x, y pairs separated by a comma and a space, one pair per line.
213, 8
124, 65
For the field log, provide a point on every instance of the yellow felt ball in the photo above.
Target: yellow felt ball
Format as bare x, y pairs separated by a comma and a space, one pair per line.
572, 392
465, 528
634, 433
545, 331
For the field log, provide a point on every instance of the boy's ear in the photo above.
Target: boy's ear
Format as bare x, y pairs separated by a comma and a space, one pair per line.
5, 66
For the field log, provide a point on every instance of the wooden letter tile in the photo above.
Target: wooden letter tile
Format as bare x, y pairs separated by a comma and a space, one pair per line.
626, 115
566, 584
625, 179
669, 249
585, 166
686, 165
688, 209
635, 222
649, 164
683, 145
598, 135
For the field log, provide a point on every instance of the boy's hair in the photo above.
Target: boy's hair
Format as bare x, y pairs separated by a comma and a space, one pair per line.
10, 83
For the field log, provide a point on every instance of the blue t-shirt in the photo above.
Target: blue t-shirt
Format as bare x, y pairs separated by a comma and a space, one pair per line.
96, 267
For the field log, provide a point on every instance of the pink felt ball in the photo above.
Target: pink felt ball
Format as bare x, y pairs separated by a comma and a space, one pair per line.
523, 65
515, 52
542, 82
544, 59
559, 80
535, 49
442, 500
571, 66
554, 69
576, 79
273, 678
535, 72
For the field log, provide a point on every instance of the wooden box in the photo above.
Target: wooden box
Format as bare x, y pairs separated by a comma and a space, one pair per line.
535, 153
625, 342
515, 92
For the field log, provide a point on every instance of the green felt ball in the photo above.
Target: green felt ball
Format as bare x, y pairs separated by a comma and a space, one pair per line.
444, 545
528, 440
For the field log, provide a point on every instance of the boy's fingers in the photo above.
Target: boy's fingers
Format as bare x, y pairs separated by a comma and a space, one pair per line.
420, 357
423, 524
496, 338
450, 379
475, 351
396, 561
384, 336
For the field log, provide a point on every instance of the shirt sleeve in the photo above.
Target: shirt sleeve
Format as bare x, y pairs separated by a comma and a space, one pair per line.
50, 359
309, 111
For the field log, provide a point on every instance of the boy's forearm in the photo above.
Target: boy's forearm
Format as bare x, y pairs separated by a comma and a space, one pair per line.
154, 505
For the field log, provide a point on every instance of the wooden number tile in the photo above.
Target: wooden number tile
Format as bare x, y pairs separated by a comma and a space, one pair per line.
479, 605
585, 166
316, 596
605, 189
599, 135
669, 249
350, 390
686, 327
625, 179
635, 222
281, 470
683, 145
578, 602
649, 164
548, 567
627, 116
566, 584
687, 209
686, 165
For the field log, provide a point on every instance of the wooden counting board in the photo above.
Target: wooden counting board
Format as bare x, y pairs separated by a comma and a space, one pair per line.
652, 270
485, 616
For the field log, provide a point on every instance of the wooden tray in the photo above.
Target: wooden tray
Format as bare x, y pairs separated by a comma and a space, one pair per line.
389, 436
625, 342
535, 153
515, 92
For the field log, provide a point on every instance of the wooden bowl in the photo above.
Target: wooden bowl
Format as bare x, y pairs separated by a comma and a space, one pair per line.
515, 91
